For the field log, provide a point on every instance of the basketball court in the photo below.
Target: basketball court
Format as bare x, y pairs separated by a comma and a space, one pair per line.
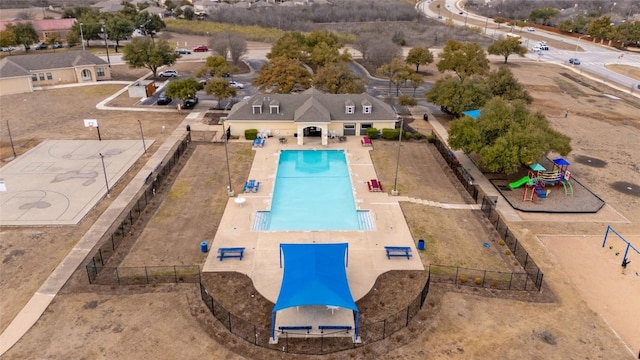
58, 182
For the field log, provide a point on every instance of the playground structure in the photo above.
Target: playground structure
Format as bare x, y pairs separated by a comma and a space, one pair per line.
538, 179
625, 257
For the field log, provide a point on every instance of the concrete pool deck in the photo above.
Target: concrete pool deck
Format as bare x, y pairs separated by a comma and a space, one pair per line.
366, 255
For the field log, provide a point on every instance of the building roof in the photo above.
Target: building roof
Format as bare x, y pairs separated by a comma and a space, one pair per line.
43, 25
17, 65
311, 105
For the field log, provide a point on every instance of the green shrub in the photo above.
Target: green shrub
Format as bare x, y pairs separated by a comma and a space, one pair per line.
251, 134
431, 138
390, 134
372, 133
501, 242
407, 135
407, 100
508, 252
418, 136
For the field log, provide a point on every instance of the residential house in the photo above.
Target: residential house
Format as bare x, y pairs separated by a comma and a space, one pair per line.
310, 113
46, 28
23, 73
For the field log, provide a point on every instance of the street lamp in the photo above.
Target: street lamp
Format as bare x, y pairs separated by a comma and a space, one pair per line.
394, 192
226, 154
81, 37
104, 34
144, 146
11, 140
575, 54
104, 170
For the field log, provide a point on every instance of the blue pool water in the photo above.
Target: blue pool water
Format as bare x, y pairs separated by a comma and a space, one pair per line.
313, 192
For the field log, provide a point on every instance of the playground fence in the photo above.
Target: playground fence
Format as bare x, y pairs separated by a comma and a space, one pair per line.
489, 209
143, 275
481, 278
119, 230
314, 344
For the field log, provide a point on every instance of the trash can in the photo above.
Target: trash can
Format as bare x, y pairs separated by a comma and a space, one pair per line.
204, 246
420, 244
425, 117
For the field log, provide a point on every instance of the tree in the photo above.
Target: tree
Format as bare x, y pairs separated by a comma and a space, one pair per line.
183, 89
220, 88
24, 33
119, 28
419, 56
502, 83
145, 53
416, 81
628, 32
397, 72
506, 135
455, 95
291, 45
544, 13
601, 28
217, 65
383, 51
506, 47
229, 43
188, 13
282, 75
336, 78
7, 39
463, 59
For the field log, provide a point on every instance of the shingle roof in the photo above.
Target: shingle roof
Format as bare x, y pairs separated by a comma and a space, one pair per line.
44, 24
35, 62
312, 105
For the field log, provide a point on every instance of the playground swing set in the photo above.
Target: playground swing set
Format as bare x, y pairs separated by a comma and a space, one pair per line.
538, 179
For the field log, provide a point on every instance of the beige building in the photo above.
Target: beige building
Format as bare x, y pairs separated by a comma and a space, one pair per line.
311, 113
23, 73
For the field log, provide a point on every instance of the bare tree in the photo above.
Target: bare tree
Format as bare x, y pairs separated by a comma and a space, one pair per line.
382, 52
219, 45
229, 44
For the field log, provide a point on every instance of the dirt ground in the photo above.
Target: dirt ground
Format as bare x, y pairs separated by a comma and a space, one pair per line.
165, 321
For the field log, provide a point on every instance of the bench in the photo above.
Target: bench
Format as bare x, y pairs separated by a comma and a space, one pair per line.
398, 251
290, 328
334, 327
231, 253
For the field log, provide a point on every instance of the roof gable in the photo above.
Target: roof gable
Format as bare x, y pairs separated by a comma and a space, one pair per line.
312, 110
9, 69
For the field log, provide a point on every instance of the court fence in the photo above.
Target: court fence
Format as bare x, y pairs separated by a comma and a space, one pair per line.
315, 344
489, 209
487, 279
119, 230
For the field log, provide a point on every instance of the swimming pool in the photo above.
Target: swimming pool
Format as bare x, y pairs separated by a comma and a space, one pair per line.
312, 192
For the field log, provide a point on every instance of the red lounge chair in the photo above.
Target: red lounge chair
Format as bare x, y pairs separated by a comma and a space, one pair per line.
366, 141
376, 185
369, 185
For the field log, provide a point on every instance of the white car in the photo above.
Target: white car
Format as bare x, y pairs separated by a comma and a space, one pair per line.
236, 85
168, 73
531, 29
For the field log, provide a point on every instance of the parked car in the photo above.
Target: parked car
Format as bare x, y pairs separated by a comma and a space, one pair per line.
201, 48
190, 103
57, 45
164, 100
40, 46
236, 85
531, 29
168, 73
7, 49
574, 61
183, 51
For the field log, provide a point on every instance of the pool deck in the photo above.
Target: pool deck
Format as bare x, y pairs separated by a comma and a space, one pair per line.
367, 257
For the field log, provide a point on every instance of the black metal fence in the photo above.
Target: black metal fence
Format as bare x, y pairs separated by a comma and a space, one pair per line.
122, 226
314, 343
143, 275
481, 278
489, 209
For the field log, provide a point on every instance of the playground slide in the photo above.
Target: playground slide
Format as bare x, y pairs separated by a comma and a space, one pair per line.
517, 184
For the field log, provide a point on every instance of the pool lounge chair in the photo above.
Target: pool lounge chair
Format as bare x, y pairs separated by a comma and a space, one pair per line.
376, 185
366, 141
256, 187
249, 185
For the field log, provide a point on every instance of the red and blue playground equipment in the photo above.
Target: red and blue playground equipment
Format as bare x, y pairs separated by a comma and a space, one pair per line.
537, 180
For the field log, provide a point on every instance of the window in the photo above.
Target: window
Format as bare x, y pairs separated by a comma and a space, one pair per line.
100, 71
257, 109
49, 76
366, 109
34, 77
350, 109
41, 76
350, 126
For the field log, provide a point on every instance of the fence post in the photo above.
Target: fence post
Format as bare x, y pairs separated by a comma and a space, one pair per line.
510, 280
101, 258
255, 335
175, 274
117, 275
540, 284
455, 281
526, 280
384, 328
484, 276
229, 317
526, 261
113, 244
407, 322
146, 274
213, 309
88, 274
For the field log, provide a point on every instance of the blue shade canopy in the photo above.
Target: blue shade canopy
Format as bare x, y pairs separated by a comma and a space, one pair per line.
537, 167
314, 274
561, 162
472, 113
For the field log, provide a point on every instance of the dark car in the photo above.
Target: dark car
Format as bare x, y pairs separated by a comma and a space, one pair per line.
40, 46
164, 100
190, 103
574, 61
